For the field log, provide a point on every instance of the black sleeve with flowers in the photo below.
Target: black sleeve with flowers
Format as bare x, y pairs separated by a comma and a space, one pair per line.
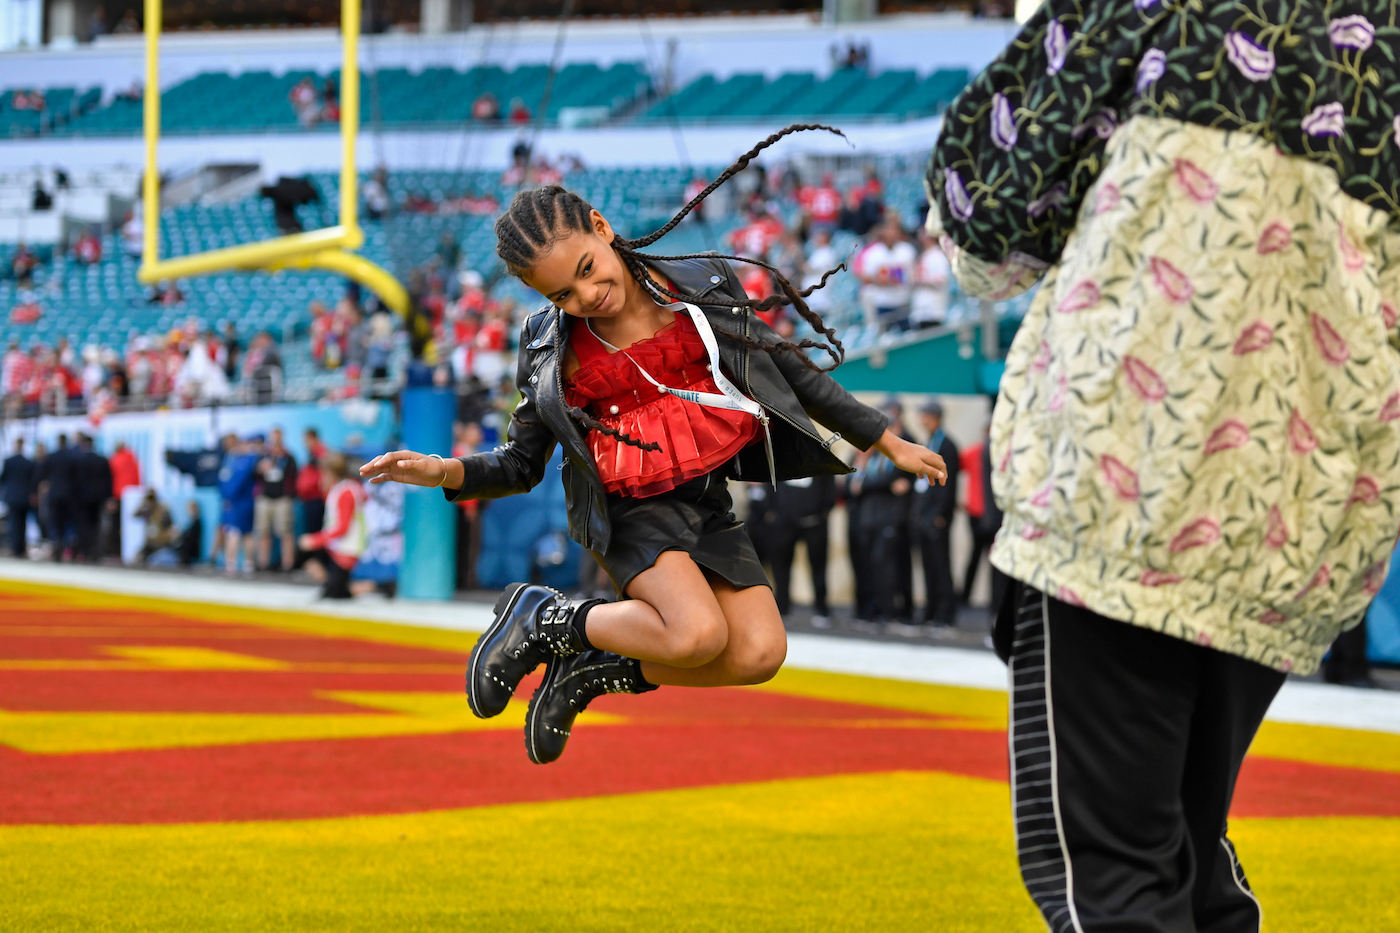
1025, 140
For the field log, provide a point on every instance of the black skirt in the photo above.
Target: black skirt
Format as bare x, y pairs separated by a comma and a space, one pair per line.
696, 517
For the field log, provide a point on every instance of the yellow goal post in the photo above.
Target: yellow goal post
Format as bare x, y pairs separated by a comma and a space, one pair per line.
331, 248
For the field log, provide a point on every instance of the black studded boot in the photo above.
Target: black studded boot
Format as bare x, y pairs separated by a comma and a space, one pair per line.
570, 684
533, 624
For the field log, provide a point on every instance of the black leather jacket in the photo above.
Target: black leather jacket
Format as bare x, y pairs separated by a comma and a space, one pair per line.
792, 394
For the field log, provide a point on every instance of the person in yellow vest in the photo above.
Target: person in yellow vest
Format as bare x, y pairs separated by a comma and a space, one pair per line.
336, 548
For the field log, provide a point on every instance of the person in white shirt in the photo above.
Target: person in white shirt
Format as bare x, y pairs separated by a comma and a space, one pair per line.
376, 194
886, 270
823, 257
928, 305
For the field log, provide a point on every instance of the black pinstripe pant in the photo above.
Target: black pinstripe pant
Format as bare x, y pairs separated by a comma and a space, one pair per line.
1125, 745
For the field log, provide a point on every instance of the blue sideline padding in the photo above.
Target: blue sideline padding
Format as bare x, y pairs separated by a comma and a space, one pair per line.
1383, 619
522, 536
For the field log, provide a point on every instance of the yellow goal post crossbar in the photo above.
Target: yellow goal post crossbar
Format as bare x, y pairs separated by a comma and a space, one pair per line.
329, 248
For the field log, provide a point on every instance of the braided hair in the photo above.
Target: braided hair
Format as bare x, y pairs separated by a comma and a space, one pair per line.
540, 217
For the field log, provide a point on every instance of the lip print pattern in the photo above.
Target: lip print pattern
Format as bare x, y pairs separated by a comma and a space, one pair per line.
1171, 280
1301, 439
1200, 533
1277, 535
1084, 295
1333, 347
1196, 183
1144, 380
1227, 436
1253, 338
1120, 478
1276, 236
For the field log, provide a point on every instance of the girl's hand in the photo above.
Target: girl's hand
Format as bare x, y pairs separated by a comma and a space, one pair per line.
913, 458
414, 469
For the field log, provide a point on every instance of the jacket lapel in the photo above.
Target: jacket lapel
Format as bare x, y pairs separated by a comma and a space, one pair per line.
548, 391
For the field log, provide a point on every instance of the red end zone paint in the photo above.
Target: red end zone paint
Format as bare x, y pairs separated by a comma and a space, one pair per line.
289, 780
674, 738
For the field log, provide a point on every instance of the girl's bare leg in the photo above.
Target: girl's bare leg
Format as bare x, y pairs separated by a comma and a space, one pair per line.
692, 629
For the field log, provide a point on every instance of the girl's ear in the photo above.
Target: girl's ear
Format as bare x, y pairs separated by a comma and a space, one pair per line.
601, 226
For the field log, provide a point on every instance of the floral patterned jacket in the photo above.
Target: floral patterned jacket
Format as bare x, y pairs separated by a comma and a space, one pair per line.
1199, 427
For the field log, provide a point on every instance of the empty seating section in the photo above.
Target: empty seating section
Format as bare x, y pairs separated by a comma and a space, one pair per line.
848, 92
61, 105
258, 101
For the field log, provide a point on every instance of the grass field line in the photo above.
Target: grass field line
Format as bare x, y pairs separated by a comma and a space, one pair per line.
1298, 702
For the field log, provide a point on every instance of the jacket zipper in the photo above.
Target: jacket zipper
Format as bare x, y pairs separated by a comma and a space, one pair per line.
559, 387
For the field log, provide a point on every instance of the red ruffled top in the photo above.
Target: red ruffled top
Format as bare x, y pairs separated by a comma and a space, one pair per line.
695, 439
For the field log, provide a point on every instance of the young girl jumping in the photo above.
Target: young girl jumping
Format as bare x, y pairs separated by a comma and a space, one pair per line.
661, 383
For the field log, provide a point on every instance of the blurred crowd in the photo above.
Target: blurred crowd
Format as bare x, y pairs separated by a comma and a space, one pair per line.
186, 367
905, 281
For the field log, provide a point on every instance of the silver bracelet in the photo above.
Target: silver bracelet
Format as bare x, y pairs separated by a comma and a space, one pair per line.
444, 471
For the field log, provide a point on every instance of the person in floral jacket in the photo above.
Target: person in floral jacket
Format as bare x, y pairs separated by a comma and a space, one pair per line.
1198, 431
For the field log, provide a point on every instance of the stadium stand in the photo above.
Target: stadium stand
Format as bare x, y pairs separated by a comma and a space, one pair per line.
848, 93
102, 302
257, 101
31, 111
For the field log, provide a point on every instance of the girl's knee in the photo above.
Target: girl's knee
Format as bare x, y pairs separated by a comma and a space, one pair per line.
760, 660
699, 639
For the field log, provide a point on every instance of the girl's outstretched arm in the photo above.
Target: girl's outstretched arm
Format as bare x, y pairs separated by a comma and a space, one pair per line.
415, 469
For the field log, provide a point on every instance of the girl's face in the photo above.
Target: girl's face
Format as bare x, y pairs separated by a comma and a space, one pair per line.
582, 274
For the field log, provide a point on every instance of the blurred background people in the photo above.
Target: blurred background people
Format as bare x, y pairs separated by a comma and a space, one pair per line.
336, 548
274, 514
800, 510
934, 508
18, 482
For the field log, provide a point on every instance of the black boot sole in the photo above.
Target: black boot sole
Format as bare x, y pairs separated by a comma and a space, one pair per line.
538, 755
504, 605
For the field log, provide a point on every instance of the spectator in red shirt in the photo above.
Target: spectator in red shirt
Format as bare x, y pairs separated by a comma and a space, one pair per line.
756, 237
126, 474
971, 460
519, 113
15, 369
486, 108
88, 249
26, 312
821, 204
758, 285
693, 188
126, 469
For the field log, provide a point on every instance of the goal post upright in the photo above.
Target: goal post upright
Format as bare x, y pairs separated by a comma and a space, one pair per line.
329, 248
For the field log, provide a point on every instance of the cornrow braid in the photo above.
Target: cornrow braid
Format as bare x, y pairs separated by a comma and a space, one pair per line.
593, 424
538, 218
